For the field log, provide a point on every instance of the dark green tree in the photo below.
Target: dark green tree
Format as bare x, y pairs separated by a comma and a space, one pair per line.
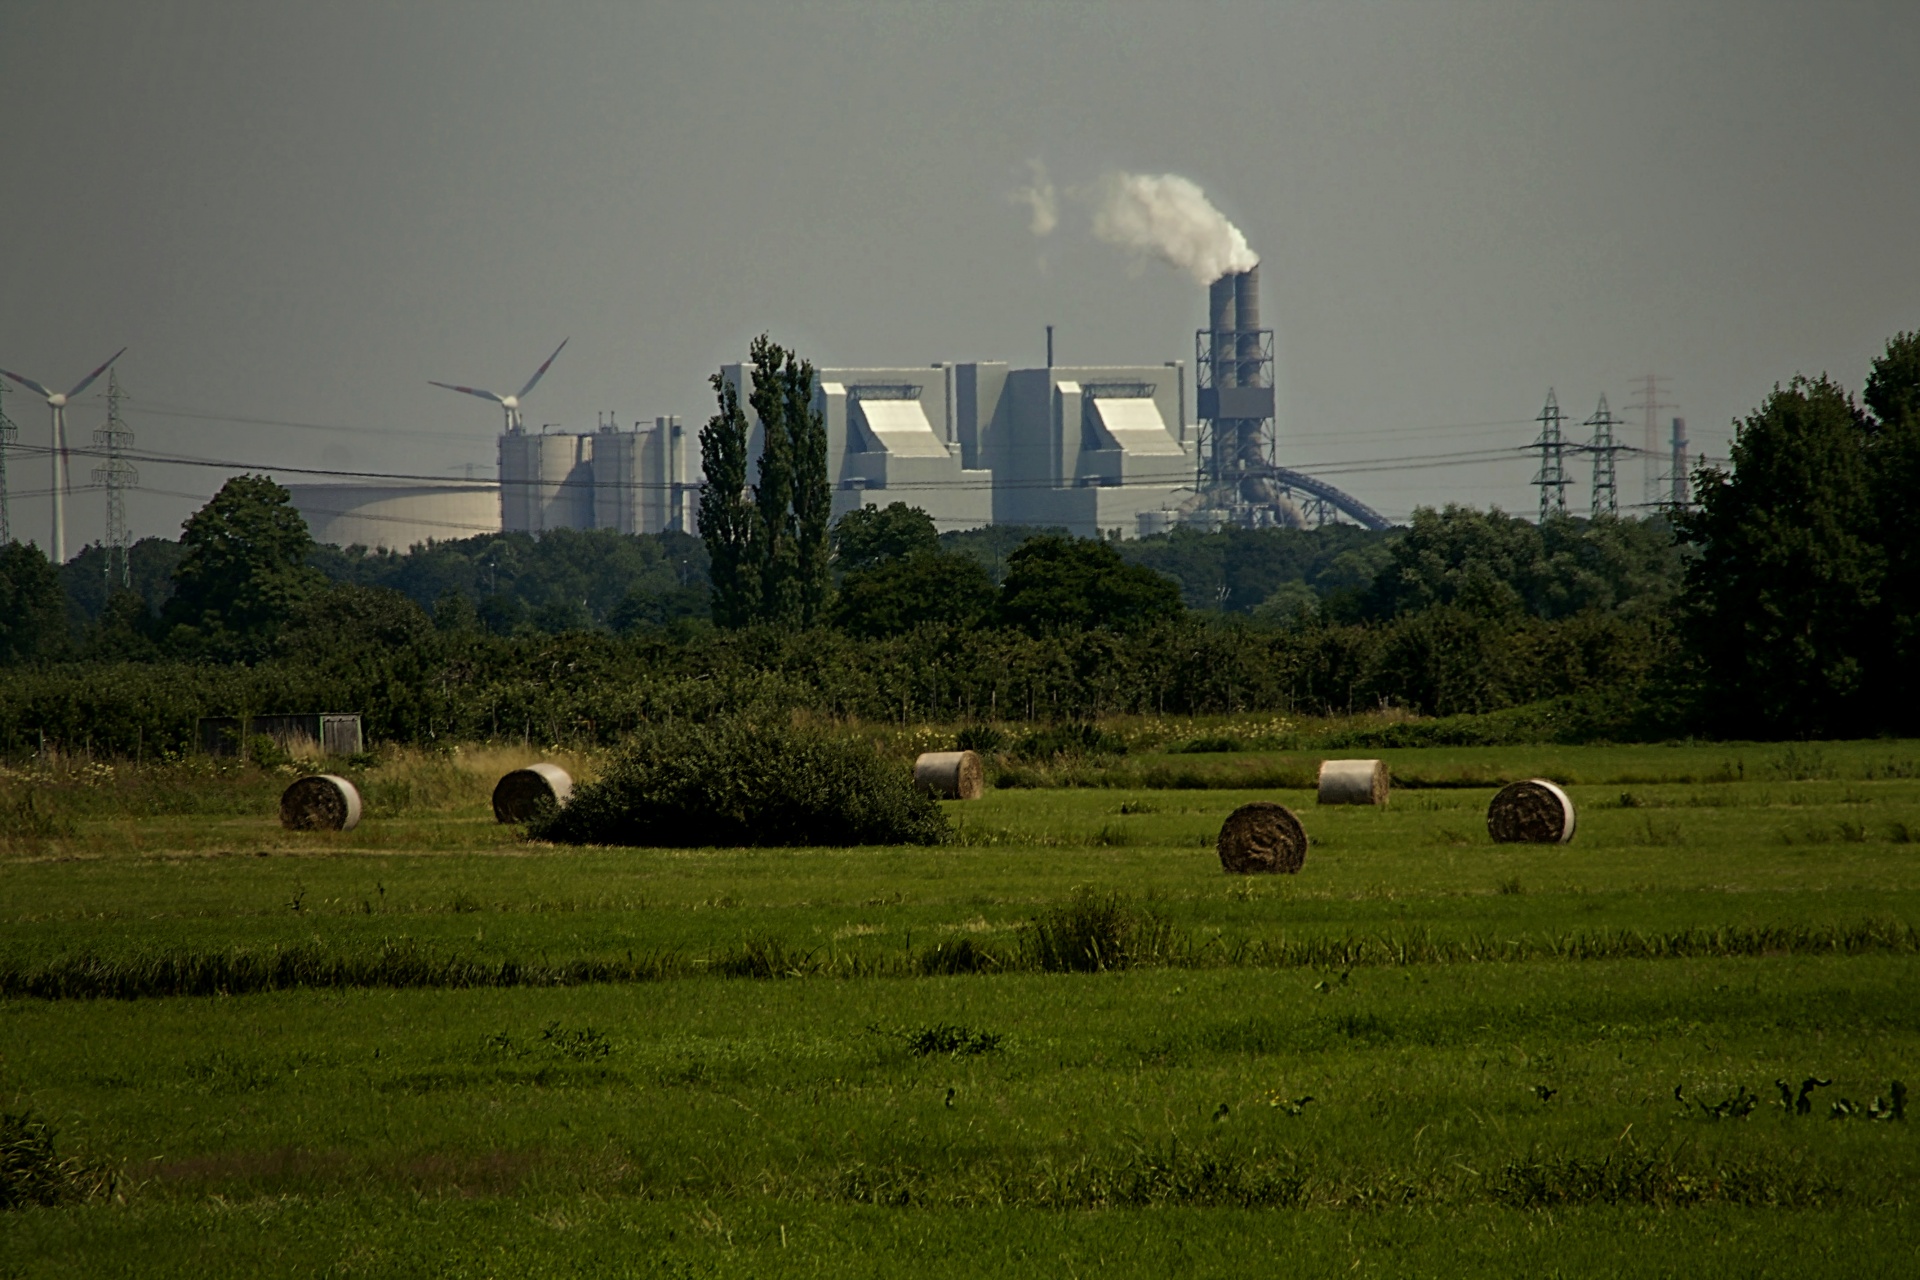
1783, 594
776, 534
644, 608
792, 496
124, 631
727, 518
33, 610
899, 593
769, 555
865, 536
812, 492
1472, 560
1494, 565
1056, 584
344, 619
243, 570
1893, 394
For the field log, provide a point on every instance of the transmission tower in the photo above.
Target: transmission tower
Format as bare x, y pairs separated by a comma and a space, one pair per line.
1552, 477
8, 434
115, 475
1648, 403
1604, 447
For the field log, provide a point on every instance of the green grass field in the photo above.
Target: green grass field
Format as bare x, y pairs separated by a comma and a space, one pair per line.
428, 1048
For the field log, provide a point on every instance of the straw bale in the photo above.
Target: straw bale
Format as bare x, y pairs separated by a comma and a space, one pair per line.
1354, 782
321, 802
951, 775
524, 794
1262, 837
1531, 812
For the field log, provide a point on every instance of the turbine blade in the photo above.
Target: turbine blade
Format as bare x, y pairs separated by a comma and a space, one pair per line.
88, 380
29, 384
472, 391
542, 370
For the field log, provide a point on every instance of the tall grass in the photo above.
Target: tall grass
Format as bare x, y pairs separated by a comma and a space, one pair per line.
1091, 934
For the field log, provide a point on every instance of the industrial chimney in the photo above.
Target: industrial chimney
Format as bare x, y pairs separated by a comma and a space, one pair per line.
1221, 314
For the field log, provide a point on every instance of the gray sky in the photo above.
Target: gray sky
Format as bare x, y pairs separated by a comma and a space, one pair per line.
300, 213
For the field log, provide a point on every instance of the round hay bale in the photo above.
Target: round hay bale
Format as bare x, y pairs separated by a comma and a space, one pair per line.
1262, 838
951, 775
1354, 782
321, 802
1531, 812
524, 794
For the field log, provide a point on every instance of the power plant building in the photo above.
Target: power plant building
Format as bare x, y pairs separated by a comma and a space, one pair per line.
1101, 451
631, 481
396, 517
891, 437
1104, 451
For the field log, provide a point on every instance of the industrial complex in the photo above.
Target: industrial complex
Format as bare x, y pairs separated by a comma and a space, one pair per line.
1106, 451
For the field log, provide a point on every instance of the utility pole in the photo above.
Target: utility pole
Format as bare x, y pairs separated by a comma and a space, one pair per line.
1552, 477
8, 434
1604, 447
115, 475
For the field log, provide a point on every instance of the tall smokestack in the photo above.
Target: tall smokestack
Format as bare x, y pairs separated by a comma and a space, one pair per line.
1682, 487
1246, 315
1221, 313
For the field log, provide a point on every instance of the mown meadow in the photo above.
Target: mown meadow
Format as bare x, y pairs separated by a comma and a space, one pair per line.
1064, 1043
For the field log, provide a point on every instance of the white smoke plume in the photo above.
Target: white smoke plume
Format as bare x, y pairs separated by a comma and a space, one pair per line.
1170, 218
1043, 205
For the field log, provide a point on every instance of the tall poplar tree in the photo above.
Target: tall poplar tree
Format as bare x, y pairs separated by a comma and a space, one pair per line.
777, 550
726, 517
769, 552
812, 495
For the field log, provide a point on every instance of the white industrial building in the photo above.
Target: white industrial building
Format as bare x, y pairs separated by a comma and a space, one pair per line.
892, 436
396, 517
1102, 451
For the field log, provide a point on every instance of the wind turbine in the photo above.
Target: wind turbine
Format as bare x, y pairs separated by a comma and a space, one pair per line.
511, 404
58, 403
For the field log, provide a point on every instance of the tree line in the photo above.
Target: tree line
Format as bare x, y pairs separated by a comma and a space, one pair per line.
1785, 604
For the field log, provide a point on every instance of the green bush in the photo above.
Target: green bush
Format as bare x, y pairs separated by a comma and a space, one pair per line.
1072, 740
746, 780
984, 738
1096, 932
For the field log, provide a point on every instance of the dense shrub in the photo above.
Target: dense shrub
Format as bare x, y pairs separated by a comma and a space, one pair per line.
747, 779
1071, 740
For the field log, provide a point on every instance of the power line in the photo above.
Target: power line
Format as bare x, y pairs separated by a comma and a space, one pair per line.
8, 434
1352, 466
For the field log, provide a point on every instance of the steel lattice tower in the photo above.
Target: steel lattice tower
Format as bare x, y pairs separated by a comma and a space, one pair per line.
1604, 448
1552, 477
115, 475
1649, 401
8, 434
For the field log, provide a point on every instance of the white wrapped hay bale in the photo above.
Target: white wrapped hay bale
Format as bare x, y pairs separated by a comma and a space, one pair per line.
1262, 838
322, 802
1531, 812
1354, 782
521, 796
951, 775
